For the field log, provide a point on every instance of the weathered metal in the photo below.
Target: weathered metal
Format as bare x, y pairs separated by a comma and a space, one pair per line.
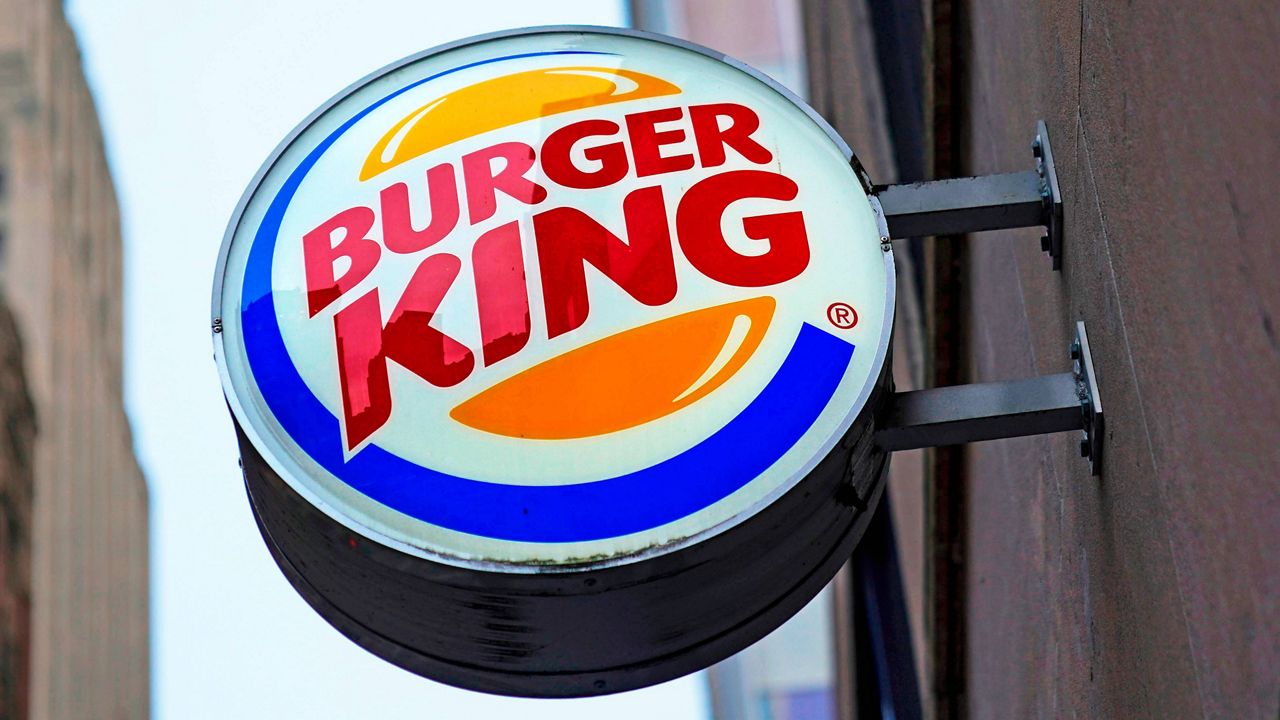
988, 202
1015, 408
960, 205
570, 632
981, 411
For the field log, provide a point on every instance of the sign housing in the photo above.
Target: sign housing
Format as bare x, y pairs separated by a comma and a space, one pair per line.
553, 356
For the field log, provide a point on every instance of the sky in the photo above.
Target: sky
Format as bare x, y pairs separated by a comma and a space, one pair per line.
193, 96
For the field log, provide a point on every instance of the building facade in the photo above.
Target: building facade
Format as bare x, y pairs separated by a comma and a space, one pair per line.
18, 417
1030, 588
60, 269
1156, 591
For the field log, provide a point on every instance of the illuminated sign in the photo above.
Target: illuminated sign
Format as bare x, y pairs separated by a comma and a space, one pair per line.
551, 303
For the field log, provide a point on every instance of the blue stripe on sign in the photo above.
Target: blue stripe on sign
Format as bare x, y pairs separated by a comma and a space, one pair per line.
695, 479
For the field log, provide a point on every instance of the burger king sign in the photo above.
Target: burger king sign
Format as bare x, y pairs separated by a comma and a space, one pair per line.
554, 356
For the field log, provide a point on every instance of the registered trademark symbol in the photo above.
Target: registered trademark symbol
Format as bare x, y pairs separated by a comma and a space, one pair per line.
842, 315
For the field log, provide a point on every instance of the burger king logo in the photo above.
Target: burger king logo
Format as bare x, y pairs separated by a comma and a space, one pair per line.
553, 299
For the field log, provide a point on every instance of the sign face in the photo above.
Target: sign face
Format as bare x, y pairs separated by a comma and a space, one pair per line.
554, 299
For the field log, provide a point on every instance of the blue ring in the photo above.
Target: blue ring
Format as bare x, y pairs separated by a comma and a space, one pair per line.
698, 477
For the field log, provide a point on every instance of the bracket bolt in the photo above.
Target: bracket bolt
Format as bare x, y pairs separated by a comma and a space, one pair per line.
1084, 448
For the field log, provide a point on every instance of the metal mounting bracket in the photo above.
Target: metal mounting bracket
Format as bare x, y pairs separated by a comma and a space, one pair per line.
988, 411
988, 202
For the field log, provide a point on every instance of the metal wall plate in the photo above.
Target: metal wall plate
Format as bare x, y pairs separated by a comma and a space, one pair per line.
1092, 440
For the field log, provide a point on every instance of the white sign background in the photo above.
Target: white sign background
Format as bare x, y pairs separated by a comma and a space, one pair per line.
847, 264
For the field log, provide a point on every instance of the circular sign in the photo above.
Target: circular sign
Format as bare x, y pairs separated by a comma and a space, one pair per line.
551, 303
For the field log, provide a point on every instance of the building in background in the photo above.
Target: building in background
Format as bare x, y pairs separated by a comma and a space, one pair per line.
17, 417
789, 675
1030, 589
733, 27
83, 648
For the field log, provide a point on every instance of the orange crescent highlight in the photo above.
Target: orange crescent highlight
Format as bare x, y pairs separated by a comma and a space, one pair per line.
504, 101
626, 379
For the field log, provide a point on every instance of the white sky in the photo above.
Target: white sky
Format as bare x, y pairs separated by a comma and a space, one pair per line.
193, 96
